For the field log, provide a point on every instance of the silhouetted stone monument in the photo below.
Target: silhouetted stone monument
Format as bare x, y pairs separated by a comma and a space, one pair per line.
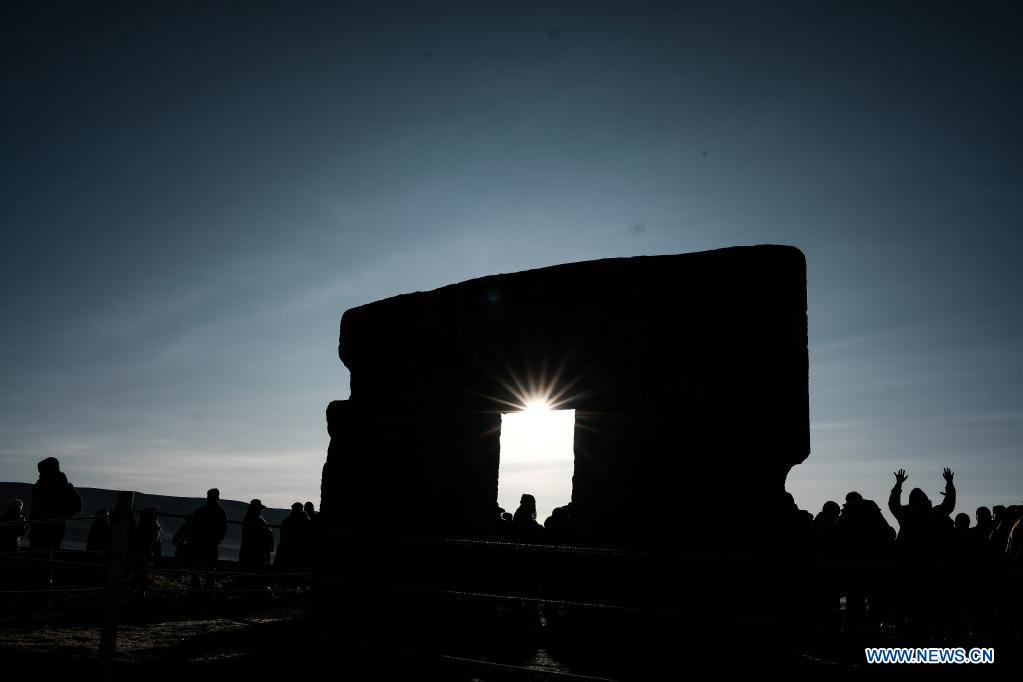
688, 374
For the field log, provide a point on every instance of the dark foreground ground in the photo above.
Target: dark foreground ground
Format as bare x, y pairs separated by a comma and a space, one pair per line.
203, 640
235, 632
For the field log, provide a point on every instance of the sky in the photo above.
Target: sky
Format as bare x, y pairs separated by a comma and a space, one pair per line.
193, 194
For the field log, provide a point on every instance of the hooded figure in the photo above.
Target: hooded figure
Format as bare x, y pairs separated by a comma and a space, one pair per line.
523, 568
52, 498
257, 538
524, 525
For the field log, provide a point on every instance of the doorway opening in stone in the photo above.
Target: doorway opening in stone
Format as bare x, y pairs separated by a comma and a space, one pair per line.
537, 457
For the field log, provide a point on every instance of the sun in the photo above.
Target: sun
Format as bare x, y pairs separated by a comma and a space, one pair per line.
537, 405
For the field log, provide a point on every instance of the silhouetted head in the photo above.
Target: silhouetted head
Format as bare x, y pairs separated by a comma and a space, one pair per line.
918, 499
853, 498
213, 496
527, 505
15, 507
48, 467
310, 509
507, 516
983, 516
831, 509
298, 507
256, 505
962, 521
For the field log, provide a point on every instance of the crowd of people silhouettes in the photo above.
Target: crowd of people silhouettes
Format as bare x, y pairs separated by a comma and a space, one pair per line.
885, 575
54, 501
930, 571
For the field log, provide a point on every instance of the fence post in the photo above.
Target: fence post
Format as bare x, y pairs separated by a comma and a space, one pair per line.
122, 521
49, 584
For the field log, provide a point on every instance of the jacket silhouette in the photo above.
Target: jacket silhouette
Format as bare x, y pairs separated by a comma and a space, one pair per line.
922, 527
53, 497
147, 535
101, 533
257, 538
207, 528
294, 550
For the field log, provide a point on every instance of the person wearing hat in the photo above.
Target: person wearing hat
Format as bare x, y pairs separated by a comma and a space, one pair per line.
208, 526
292, 553
257, 538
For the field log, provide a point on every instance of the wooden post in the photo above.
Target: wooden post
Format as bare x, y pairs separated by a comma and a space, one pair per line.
122, 520
49, 584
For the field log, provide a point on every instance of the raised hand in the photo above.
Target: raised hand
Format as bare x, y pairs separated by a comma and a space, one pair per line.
947, 474
900, 476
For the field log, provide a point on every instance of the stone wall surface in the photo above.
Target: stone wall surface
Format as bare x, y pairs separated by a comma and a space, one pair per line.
688, 374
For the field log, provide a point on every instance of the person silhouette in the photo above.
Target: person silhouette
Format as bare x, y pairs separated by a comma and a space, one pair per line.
981, 592
524, 525
823, 529
54, 499
145, 546
861, 536
310, 511
182, 541
960, 548
1014, 544
292, 552
523, 569
146, 540
500, 527
823, 586
920, 523
207, 528
1001, 526
12, 526
981, 531
922, 540
257, 538
101, 533
555, 528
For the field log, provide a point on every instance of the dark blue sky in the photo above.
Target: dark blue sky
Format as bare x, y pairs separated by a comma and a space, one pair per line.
194, 194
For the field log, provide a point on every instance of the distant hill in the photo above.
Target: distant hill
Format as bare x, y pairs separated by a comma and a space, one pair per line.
100, 498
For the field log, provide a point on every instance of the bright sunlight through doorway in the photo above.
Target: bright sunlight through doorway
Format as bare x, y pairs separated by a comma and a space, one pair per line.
536, 458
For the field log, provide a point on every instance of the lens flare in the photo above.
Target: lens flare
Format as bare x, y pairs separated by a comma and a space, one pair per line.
537, 405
